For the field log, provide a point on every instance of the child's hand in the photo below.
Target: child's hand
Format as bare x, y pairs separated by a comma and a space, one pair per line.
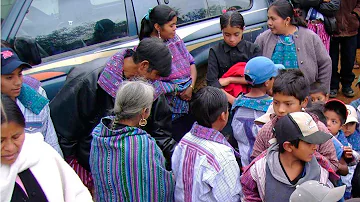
224, 81
347, 152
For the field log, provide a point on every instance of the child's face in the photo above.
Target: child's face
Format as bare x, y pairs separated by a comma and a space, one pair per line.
349, 128
319, 97
333, 121
304, 152
11, 83
232, 35
284, 104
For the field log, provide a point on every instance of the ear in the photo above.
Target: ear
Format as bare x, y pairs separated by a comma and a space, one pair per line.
143, 66
304, 103
157, 27
326, 97
222, 116
267, 83
287, 146
287, 21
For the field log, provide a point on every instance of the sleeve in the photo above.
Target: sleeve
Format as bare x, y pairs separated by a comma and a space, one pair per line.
213, 70
305, 4
323, 62
78, 100
249, 187
260, 43
257, 51
159, 127
73, 188
327, 149
226, 184
261, 140
329, 9
48, 129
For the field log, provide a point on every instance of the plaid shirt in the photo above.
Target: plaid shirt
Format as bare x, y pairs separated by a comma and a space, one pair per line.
41, 123
205, 167
266, 134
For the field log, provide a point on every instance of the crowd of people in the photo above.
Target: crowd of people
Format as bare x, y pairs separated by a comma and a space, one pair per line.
137, 129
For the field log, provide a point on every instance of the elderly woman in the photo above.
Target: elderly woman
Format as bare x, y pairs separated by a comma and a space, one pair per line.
31, 170
125, 161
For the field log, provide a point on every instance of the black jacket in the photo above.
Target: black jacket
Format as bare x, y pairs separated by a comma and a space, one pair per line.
328, 10
81, 103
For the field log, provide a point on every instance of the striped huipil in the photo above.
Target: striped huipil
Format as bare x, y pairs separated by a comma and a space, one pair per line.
127, 165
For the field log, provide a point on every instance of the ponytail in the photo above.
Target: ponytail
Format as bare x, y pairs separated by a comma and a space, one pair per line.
160, 14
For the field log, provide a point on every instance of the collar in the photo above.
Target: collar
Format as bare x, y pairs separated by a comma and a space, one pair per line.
211, 135
227, 48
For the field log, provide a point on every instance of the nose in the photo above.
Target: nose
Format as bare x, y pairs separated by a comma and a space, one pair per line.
328, 122
8, 146
18, 81
282, 109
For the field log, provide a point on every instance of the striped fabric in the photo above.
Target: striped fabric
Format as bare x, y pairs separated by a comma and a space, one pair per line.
84, 175
319, 29
127, 165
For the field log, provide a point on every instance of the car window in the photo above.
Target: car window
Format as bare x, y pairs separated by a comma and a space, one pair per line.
60, 26
190, 10
6, 6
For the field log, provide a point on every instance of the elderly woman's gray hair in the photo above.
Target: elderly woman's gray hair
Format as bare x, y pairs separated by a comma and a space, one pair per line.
131, 98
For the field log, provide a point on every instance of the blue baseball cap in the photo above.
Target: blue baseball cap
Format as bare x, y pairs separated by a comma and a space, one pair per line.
10, 61
260, 69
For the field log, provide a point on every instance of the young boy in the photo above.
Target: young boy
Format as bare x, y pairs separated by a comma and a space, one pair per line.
350, 128
336, 113
274, 175
290, 94
259, 73
204, 164
31, 100
318, 93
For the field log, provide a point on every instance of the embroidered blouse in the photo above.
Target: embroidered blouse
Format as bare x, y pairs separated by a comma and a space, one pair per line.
285, 52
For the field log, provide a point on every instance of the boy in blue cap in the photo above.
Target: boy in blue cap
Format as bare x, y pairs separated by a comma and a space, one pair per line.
259, 73
31, 99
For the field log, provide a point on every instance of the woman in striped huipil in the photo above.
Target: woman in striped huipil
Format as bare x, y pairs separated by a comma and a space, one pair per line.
126, 164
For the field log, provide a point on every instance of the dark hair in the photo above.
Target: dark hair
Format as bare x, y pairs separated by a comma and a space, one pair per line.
260, 85
207, 105
160, 14
233, 18
293, 142
156, 53
284, 9
291, 82
10, 111
337, 107
317, 87
317, 108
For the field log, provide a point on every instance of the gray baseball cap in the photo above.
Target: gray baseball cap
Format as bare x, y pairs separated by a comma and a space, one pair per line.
314, 191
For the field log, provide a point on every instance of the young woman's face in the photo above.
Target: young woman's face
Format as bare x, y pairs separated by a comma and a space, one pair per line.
349, 128
12, 139
276, 24
232, 35
333, 122
11, 83
167, 31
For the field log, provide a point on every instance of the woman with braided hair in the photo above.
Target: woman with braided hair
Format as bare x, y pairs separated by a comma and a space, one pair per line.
125, 161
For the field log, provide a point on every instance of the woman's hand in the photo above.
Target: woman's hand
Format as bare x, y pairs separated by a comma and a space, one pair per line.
186, 94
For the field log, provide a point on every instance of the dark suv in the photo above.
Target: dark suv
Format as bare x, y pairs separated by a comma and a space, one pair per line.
67, 33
